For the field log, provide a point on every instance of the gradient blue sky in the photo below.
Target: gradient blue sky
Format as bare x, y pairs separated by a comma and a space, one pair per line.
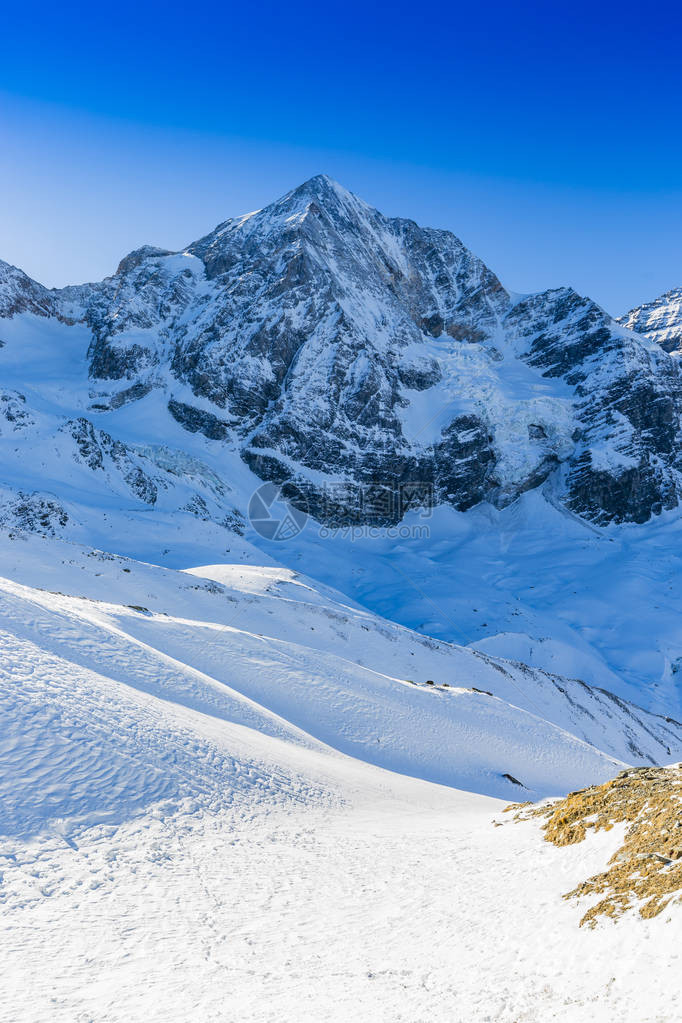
547, 136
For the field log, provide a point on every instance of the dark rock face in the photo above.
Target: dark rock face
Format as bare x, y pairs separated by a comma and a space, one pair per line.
197, 421
633, 494
372, 367
456, 471
420, 377
124, 397
111, 363
628, 400
91, 452
464, 461
14, 412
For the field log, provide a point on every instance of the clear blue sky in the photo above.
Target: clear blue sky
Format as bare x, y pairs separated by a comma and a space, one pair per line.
547, 136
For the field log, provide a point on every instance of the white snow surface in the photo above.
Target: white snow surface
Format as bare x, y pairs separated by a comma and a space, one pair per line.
267, 649
529, 582
197, 821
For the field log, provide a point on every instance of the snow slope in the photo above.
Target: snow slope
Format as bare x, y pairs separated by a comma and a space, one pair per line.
528, 582
197, 823
381, 898
265, 649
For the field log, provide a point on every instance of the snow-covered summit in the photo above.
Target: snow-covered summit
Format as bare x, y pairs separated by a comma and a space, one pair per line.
332, 346
660, 320
138, 256
19, 293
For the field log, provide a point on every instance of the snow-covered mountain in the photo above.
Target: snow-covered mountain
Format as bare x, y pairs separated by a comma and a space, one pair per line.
660, 320
367, 364
371, 366
212, 739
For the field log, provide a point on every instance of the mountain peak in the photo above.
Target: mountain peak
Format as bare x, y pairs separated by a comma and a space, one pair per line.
659, 321
20, 293
321, 185
138, 256
319, 194
323, 190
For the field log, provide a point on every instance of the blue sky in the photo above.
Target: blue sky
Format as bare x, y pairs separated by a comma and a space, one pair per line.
546, 136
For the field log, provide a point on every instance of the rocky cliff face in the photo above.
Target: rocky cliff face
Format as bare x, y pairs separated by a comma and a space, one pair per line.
20, 294
627, 399
372, 366
660, 320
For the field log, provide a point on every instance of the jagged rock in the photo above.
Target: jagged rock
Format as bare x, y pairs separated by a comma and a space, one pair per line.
13, 410
32, 513
100, 452
125, 397
197, 421
660, 320
628, 400
646, 871
20, 294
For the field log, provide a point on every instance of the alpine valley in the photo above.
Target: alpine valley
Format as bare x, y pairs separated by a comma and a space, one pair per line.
317, 548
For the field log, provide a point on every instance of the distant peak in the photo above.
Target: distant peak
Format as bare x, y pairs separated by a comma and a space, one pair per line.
138, 256
321, 183
322, 189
